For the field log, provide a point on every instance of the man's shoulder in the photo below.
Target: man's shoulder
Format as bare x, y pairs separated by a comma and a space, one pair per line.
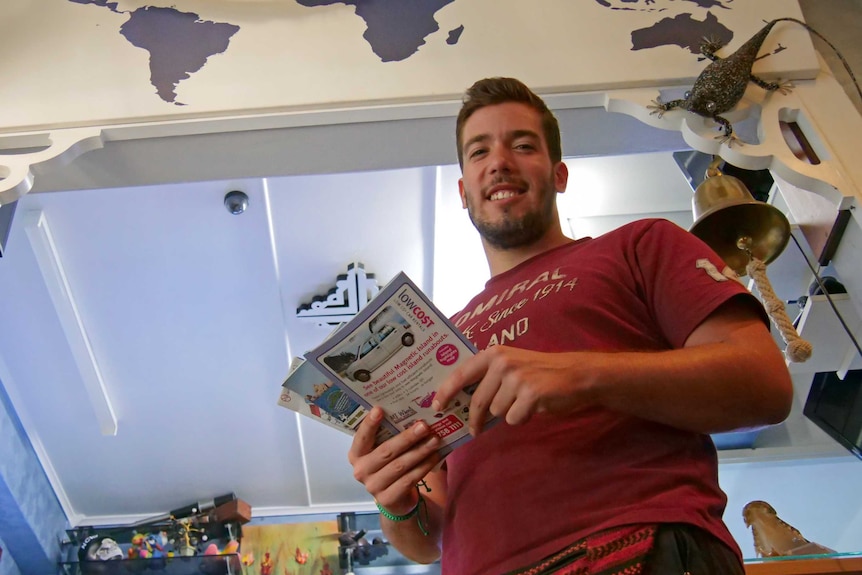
647, 230
647, 226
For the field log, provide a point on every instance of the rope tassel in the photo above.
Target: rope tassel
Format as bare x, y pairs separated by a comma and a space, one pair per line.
798, 350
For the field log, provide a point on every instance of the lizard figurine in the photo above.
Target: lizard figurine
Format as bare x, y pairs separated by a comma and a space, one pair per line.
722, 83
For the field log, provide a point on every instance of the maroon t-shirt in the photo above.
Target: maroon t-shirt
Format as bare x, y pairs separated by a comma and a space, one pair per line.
518, 493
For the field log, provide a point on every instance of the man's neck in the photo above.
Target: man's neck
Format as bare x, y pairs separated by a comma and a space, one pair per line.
501, 260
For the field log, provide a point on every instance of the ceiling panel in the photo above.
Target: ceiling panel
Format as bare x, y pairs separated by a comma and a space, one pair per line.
191, 315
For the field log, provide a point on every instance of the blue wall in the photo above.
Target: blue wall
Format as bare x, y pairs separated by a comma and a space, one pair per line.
7, 564
31, 519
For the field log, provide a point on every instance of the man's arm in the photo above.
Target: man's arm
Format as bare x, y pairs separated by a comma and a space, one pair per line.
390, 473
729, 375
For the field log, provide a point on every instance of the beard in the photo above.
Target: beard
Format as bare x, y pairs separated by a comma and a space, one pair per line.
515, 232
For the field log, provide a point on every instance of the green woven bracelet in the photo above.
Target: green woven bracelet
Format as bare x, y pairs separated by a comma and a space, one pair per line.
417, 512
393, 517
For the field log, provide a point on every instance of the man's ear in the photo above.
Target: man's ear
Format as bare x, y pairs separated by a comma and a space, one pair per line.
561, 177
462, 193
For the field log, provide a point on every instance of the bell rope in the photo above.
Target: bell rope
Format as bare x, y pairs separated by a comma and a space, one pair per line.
798, 350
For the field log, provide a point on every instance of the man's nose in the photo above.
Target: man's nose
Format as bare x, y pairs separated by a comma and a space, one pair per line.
501, 158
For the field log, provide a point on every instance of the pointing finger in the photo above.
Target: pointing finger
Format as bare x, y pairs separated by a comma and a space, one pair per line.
469, 373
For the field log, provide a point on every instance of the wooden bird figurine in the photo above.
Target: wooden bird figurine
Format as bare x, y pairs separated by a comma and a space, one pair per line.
773, 537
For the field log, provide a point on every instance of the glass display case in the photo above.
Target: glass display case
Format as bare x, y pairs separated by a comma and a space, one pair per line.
173, 547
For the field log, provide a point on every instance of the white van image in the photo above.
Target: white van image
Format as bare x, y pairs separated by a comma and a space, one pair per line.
386, 338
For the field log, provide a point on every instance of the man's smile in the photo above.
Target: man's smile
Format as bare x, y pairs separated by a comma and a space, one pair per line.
504, 194
504, 191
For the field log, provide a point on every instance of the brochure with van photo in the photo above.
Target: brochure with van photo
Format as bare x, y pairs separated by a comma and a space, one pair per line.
395, 353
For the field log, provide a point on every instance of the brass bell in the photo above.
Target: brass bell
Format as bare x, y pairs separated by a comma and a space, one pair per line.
735, 225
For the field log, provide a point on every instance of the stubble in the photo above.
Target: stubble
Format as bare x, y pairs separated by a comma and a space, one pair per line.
516, 231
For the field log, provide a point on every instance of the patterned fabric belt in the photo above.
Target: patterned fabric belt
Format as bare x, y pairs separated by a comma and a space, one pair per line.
616, 551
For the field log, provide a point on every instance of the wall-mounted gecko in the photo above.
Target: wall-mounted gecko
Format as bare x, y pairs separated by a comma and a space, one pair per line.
722, 83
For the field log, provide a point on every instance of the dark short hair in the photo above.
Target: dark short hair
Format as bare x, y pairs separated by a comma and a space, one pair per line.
491, 91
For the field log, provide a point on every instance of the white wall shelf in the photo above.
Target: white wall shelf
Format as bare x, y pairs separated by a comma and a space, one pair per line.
833, 348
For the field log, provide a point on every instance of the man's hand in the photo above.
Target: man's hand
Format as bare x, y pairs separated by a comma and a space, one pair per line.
391, 471
516, 383
729, 375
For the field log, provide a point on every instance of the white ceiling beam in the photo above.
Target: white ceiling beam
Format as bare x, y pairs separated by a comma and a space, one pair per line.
48, 260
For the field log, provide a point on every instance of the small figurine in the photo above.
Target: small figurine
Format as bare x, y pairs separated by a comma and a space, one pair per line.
95, 551
149, 547
186, 538
231, 547
773, 537
99, 548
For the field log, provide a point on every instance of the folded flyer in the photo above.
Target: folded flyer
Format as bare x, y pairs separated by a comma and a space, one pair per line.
301, 391
395, 353
309, 392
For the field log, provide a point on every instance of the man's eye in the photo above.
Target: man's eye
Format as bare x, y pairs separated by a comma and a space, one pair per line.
525, 147
477, 152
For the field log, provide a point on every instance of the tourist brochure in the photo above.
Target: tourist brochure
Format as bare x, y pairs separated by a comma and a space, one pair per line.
309, 392
395, 353
301, 392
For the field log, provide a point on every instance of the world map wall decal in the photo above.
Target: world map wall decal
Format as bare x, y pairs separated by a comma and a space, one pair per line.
180, 43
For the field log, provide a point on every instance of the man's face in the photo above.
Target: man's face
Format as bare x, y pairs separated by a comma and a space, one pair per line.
509, 183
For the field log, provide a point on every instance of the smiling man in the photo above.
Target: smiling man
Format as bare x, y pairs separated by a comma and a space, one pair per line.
627, 355
526, 200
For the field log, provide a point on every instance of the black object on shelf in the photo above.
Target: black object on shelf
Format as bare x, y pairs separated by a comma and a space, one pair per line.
195, 508
364, 550
835, 405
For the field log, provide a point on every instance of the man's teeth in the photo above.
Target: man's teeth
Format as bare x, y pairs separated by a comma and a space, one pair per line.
503, 194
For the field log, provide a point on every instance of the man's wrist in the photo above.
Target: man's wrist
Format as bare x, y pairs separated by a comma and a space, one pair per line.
395, 517
419, 511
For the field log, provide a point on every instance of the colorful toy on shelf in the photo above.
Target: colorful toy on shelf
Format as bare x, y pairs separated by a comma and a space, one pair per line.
216, 560
231, 547
150, 546
137, 550
157, 542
